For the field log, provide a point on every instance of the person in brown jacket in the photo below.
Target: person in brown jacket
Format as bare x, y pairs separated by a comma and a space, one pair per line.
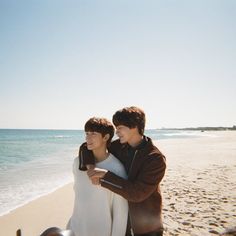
145, 166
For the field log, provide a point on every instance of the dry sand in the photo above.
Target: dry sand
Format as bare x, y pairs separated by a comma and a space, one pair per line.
199, 191
199, 188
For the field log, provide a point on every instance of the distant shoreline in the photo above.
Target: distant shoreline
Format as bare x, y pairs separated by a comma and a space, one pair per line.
233, 128
207, 128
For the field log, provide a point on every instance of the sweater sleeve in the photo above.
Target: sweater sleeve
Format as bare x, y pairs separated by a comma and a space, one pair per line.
120, 215
146, 182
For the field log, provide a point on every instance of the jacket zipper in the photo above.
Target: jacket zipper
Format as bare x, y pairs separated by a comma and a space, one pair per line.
132, 162
108, 182
131, 230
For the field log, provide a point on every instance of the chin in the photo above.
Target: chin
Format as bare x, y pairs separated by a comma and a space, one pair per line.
89, 147
122, 141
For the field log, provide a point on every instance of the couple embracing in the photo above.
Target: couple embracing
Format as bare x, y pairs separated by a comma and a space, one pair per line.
117, 183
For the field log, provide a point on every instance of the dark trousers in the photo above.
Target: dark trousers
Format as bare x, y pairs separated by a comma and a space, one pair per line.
150, 234
129, 231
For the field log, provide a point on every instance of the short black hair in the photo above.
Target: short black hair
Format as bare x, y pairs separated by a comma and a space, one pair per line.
131, 117
100, 125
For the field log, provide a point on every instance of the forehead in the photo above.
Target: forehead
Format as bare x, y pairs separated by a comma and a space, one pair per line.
122, 127
92, 132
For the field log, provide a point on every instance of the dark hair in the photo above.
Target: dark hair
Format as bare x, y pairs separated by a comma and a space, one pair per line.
131, 117
100, 125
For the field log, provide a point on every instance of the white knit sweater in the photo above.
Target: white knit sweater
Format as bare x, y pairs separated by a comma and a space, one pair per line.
97, 210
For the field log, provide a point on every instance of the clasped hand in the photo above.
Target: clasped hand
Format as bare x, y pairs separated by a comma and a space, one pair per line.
96, 174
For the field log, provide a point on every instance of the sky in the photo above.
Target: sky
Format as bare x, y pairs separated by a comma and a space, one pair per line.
64, 61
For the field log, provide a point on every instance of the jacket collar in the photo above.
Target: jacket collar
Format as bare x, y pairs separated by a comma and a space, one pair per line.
146, 143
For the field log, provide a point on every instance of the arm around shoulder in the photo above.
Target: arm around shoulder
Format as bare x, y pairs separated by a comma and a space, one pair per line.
86, 157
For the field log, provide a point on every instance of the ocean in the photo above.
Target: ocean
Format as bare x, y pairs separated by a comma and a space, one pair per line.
36, 162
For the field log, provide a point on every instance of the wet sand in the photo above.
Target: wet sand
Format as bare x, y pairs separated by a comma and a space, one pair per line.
33, 218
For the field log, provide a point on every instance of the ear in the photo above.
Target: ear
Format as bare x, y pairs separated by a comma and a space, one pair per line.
106, 137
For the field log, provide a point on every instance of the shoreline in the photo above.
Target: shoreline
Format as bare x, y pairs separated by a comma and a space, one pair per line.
33, 199
198, 191
53, 209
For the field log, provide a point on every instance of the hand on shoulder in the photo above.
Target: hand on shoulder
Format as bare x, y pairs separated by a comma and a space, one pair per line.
95, 174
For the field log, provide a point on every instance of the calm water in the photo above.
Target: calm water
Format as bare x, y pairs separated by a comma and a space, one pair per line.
36, 162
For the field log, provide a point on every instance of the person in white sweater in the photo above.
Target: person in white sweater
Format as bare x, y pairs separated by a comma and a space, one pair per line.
98, 211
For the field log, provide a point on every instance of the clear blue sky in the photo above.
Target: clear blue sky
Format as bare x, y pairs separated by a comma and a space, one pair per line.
62, 62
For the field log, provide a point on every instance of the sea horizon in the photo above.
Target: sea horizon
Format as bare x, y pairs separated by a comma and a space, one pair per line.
158, 128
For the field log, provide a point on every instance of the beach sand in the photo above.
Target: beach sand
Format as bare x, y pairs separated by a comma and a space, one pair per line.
199, 191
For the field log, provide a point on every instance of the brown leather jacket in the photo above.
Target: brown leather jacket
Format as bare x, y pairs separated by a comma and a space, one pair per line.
141, 189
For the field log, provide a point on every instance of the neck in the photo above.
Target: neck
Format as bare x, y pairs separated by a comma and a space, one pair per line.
100, 154
136, 140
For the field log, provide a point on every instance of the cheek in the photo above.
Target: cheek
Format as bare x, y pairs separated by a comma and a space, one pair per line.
98, 141
92, 140
124, 134
88, 139
120, 133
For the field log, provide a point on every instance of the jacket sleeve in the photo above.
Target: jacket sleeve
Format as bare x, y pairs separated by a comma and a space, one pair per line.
119, 215
145, 183
86, 157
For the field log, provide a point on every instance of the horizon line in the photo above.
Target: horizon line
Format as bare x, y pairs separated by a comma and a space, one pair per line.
163, 128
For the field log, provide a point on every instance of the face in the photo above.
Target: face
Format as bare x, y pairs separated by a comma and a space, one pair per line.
95, 140
125, 133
